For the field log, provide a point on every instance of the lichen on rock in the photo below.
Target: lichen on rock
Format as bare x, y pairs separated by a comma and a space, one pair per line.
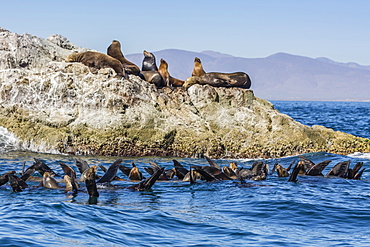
51, 105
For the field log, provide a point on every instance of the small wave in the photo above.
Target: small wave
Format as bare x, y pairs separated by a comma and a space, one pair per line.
8, 141
360, 155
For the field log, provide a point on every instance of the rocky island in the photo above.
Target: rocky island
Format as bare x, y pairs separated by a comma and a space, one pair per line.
54, 106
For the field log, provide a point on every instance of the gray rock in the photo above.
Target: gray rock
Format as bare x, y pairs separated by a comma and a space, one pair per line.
54, 106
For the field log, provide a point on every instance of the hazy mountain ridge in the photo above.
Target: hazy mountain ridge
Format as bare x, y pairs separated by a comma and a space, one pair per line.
280, 76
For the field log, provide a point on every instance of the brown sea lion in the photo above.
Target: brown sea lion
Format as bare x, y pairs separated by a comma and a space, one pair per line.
135, 173
114, 50
199, 76
96, 61
49, 182
237, 79
198, 68
89, 178
167, 78
147, 183
149, 71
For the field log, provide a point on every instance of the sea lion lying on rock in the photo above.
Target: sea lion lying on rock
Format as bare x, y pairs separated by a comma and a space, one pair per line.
237, 79
114, 50
199, 76
96, 61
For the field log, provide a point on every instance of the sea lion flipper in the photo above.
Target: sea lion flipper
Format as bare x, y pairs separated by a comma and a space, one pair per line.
359, 174
82, 165
212, 163
111, 173
68, 170
317, 169
41, 167
295, 172
29, 172
147, 183
339, 170
126, 170
14, 183
208, 177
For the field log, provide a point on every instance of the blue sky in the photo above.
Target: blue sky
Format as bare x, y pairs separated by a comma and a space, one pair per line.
339, 30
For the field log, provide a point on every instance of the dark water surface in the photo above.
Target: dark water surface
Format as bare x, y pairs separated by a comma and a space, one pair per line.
315, 211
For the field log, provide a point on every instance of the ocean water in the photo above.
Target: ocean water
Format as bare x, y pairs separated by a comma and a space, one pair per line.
315, 211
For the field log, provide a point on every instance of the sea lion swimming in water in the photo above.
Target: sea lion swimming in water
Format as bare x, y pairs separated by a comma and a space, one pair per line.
339, 170
49, 182
96, 61
89, 178
114, 50
135, 173
147, 183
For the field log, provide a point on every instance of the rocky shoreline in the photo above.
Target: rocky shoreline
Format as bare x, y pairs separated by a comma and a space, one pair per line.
54, 106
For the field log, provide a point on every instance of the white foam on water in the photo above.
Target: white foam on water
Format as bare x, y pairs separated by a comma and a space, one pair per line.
8, 141
360, 155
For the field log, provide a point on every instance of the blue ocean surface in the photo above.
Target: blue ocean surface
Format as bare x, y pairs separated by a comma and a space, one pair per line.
315, 211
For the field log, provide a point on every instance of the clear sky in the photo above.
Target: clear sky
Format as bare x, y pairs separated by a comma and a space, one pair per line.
336, 29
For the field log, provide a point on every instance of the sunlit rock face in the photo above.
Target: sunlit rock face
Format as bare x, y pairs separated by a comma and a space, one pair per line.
54, 106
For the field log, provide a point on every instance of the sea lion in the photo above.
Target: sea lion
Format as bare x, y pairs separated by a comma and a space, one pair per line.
135, 173
351, 173
5, 178
165, 176
237, 79
306, 164
71, 184
198, 68
180, 171
49, 182
149, 71
149, 63
96, 61
229, 172
147, 183
199, 76
167, 78
114, 50
15, 183
339, 170
89, 178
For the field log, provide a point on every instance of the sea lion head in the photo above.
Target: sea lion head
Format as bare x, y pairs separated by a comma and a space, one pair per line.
281, 171
116, 43
164, 64
148, 54
197, 60
233, 166
190, 81
72, 57
135, 174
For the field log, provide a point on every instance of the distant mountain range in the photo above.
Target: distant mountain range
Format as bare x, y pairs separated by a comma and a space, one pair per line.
280, 76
